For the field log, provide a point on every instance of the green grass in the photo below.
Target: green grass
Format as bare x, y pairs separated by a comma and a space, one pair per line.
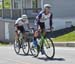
7, 4
3, 44
0, 6
65, 38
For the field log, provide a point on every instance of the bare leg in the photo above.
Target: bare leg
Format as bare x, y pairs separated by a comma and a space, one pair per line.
16, 35
24, 34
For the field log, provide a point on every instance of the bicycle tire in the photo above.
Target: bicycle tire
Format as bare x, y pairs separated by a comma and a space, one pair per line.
16, 43
25, 46
34, 51
53, 52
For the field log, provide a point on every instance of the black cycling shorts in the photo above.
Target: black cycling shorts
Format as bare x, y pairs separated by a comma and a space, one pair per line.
21, 28
42, 25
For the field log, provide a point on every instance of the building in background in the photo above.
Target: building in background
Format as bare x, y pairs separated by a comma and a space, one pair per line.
60, 8
19, 7
63, 14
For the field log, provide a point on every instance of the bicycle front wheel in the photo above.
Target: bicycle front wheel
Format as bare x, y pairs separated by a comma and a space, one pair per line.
34, 50
25, 46
49, 48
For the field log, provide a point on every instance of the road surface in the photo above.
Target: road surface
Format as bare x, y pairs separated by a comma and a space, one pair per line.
63, 55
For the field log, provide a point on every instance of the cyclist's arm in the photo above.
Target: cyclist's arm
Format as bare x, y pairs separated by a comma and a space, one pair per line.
51, 21
38, 19
17, 22
27, 22
28, 25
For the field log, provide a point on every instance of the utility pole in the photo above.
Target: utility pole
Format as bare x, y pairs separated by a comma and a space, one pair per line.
42, 3
2, 8
11, 8
21, 7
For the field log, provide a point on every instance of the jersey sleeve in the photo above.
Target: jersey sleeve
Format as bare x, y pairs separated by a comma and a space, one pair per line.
18, 20
51, 20
39, 17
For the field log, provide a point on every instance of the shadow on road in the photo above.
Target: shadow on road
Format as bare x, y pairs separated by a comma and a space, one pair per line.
25, 55
44, 58
54, 59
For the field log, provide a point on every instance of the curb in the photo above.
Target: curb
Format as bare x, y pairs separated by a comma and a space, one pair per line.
64, 44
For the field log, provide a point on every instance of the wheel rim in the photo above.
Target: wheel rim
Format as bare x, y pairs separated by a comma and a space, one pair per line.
49, 48
16, 47
25, 47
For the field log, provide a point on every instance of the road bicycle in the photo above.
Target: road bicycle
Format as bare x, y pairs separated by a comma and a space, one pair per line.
21, 42
44, 45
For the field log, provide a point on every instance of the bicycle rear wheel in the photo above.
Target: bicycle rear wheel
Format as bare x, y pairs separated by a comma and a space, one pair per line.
49, 48
17, 46
25, 46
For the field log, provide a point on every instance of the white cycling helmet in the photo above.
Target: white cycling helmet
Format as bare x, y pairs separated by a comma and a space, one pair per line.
47, 5
24, 16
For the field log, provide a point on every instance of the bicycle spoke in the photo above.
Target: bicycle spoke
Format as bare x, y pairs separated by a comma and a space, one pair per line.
33, 50
25, 47
49, 48
16, 47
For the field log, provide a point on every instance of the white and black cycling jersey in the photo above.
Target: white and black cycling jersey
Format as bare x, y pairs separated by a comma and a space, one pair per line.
46, 19
20, 22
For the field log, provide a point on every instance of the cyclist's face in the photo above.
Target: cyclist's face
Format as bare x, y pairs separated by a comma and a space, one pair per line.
23, 20
47, 10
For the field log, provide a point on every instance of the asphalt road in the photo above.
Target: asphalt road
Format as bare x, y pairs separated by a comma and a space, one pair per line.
64, 55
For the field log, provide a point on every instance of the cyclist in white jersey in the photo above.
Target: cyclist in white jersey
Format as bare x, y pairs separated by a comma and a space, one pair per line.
44, 20
21, 24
